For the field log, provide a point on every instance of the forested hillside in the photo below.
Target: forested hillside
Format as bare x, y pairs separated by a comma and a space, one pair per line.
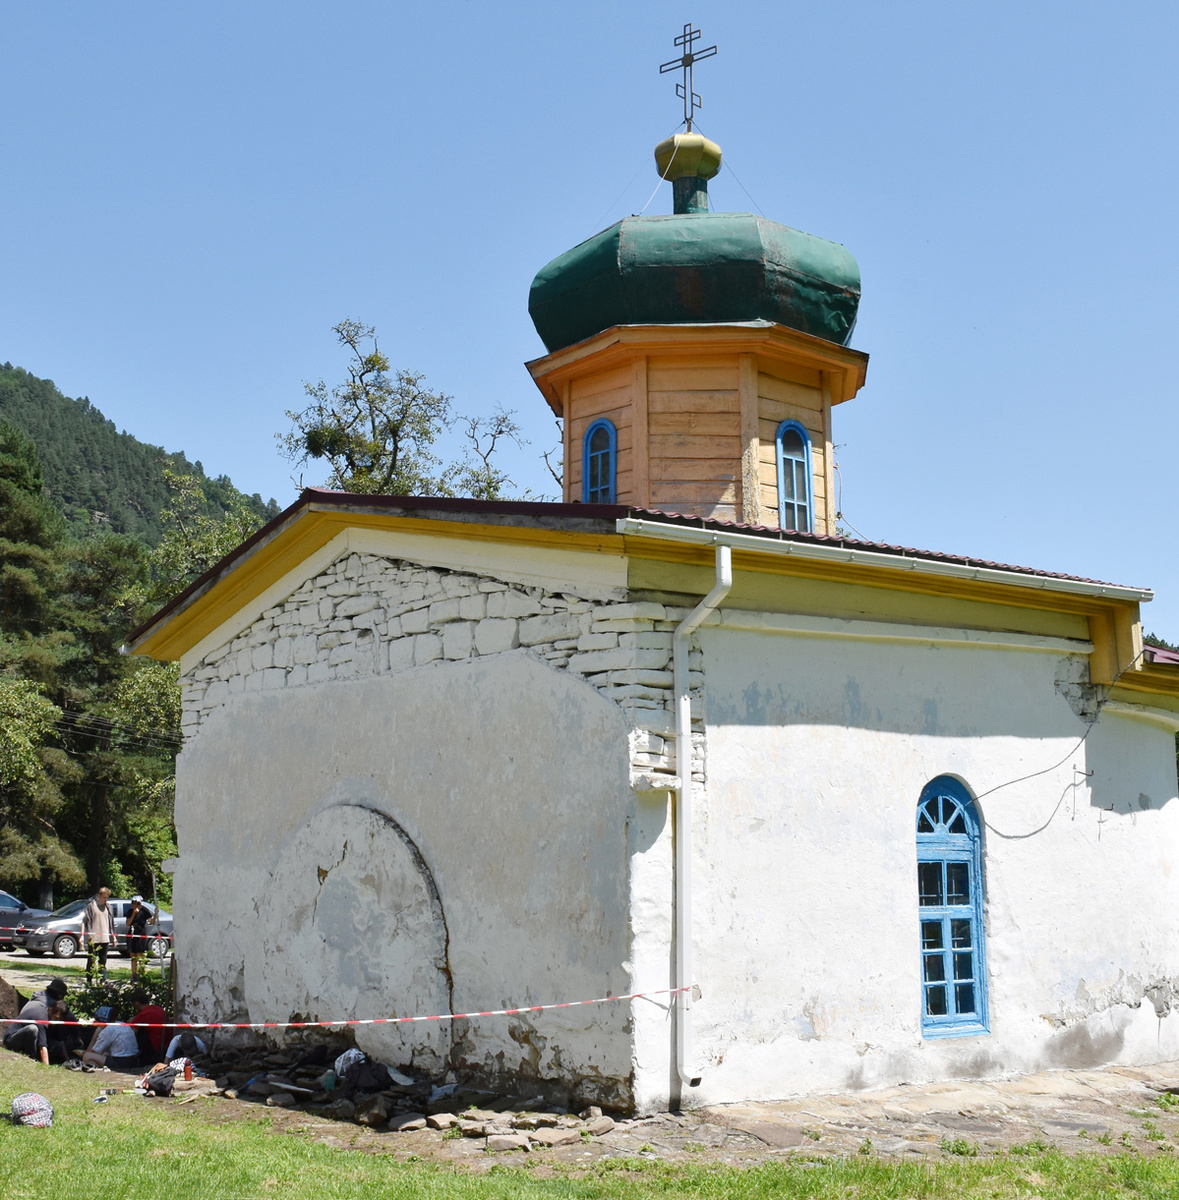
97, 477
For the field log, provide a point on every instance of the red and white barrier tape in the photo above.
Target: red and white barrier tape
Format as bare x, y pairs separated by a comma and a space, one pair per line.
491, 1012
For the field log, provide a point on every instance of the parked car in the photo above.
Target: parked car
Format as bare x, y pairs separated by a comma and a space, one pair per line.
61, 931
15, 914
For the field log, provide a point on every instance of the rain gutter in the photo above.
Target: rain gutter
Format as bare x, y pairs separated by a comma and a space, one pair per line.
683, 812
637, 527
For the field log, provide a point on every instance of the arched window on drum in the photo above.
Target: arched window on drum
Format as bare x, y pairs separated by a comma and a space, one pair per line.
950, 907
795, 494
599, 463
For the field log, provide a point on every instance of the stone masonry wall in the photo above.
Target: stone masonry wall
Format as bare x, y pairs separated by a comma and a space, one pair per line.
369, 615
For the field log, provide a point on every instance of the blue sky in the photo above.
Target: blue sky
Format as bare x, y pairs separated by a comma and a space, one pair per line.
194, 195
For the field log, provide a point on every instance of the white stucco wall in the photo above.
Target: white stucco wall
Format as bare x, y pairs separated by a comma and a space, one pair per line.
806, 925
387, 712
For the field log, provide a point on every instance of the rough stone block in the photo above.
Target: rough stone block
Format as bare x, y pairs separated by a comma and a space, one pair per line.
641, 610
554, 1137
458, 640
502, 1143
442, 611
305, 650
535, 630
318, 672
495, 634
274, 677
296, 676
472, 608
511, 603
353, 606
598, 641
373, 1111
417, 620
407, 1123
426, 648
441, 1120
326, 608
597, 661
280, 1100
401, 654
342, 654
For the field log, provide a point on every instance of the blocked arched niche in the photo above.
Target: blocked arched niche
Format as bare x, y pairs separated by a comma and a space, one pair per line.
351, 925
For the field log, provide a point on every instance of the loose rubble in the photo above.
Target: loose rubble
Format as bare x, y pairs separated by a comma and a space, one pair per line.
1101, 1110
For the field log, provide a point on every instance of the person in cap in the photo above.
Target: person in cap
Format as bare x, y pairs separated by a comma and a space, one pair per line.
63, 1035
32, 1038
137, 940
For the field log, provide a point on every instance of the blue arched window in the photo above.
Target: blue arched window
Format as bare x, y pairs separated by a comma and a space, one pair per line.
950, 903
795, 496
599, 463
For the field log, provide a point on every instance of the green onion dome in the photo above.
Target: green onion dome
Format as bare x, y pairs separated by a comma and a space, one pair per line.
696, 267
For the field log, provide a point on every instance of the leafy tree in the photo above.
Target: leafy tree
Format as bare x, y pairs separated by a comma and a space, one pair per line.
192, 541
30, 795
377, 431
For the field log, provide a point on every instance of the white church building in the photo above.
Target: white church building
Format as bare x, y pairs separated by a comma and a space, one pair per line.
878, 814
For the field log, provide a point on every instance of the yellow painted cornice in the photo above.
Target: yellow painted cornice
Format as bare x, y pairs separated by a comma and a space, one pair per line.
304, 530
845, 370
295, 536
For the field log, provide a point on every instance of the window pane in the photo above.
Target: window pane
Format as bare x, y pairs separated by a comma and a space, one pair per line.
960, 934
924, 824
792, 444
935, 1001
957, 883
929, 882
599, 440
964, 997
964, 965
958, 824
788, 492
931, 935
935, 968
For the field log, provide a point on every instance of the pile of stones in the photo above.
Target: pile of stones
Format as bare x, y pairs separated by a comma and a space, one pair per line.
276, 1078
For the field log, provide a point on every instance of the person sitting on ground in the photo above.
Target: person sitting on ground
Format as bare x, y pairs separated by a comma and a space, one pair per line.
151, 1039
64, 1036
33, 1038
98, 932
113, 1045
185, 1045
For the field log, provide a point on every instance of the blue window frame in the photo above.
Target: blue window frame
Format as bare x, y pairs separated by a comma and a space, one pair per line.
599, 463
950, 906
795, 494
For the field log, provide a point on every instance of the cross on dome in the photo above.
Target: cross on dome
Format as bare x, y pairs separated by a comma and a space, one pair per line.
685, 62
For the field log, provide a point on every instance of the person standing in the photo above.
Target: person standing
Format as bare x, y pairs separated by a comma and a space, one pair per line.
137, 942
98, 927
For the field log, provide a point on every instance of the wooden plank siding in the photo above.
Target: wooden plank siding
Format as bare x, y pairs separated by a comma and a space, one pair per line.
696, 432
694, 440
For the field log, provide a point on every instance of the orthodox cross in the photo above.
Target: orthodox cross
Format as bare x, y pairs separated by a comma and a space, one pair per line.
687, 40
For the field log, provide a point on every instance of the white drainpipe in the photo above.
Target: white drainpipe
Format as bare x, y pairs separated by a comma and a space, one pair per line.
683, 813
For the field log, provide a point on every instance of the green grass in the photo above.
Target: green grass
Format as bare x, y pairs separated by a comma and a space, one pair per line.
69, 969
135, 1148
